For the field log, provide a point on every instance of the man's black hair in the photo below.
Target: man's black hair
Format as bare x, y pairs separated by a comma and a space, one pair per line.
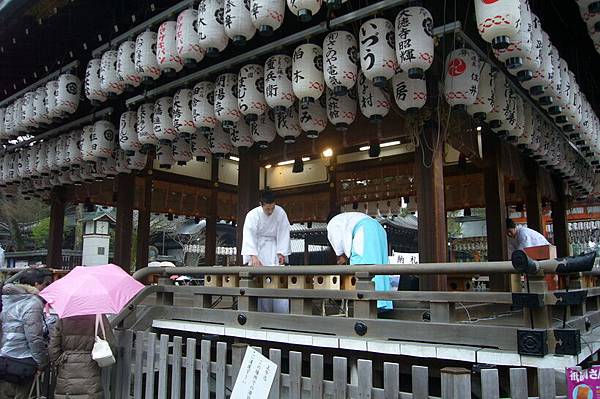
510, 224
331, 215
33, 277
267, 197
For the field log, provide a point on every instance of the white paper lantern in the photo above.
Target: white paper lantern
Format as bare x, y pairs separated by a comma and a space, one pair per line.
591, 16
18, 119
164, 155
498, 21
374, 102
219, 142
515, 117
226, 102
69, 91
29, 111
484, 100
121, 162
108, 166
137, 161
200, 147
526, 138
279, 92
163, 120
128, 135
409, 94
65, 178
462, 77
110, 82
188, 44
145, 127
377, 51
42, 164
263, 129
102, 140
203, 106
414, 41
501, 92
313, 117
3, 135
93, 89
51, 157
251, 92
540, 77
287, 125
74, 148
183, 120
304, 9
341, 109
166, 48
267, 15
126, 65
182, 152
240, 135
340, 61
8, 123
62, 158
51, 100
564, 95
549, 100
307, 72
40, 112
237, 22
146, 63
211, 32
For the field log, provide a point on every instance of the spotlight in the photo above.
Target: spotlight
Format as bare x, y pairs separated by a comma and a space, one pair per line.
374, 149
170, 217
298, 165
328, 153
467, 212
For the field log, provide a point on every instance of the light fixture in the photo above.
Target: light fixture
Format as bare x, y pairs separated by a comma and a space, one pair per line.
374, 149
283, 163
268, 166
328, 153
170, 217
382, 145
298, 165
479, 128
234, 158
467, 212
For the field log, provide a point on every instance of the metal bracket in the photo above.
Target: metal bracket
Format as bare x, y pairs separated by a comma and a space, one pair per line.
570, 297
568, 341
528, 300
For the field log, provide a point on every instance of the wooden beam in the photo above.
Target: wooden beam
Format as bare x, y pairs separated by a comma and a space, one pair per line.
161, 175
495, 206
429, 176
210, 235
533, 197
123, 237
248, 191
57, 222
143, 229
560, 223
400, 159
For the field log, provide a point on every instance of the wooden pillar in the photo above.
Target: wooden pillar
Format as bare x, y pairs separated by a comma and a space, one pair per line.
123, 237
248, 191
143, 230
432, 234
210, 238
533, 197
333, 202
495, 207
559, 219
57, 222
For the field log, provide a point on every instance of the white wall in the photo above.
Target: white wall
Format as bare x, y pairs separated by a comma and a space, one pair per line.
91, 243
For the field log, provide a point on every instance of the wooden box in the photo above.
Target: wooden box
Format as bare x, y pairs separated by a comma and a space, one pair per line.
212, 280
460, 284
349, 283
299, 282
274, 282
231, 280
541, 252
326, 282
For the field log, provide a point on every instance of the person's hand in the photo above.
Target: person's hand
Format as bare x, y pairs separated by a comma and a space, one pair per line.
281, 259
341, 260
254, 261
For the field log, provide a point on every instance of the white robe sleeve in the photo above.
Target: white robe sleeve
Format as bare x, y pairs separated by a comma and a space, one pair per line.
335, 235
284, 246
250, 235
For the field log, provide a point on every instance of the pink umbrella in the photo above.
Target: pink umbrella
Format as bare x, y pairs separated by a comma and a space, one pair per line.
91, 290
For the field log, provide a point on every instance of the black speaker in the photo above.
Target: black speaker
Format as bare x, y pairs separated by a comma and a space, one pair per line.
532, 342
568, 341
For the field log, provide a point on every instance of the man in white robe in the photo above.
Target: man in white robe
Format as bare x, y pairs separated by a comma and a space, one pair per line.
266, 242
521, 237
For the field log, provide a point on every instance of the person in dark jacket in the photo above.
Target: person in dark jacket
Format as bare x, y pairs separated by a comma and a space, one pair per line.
71, 343
22, 321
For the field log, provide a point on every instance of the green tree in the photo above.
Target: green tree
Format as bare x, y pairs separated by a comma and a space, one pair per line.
40, 233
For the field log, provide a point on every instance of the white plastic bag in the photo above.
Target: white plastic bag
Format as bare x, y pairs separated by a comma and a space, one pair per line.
101, 352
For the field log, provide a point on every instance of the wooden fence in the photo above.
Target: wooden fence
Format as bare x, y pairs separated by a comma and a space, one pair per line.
152, 366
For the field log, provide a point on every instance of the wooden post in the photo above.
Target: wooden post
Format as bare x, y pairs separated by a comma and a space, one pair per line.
495, 207
559, 219
432, 234
123, 237
248, 193
210, 237
456, 383
143, 230
57, 222
533, 197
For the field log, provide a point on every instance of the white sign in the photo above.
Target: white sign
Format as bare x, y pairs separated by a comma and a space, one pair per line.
255, 378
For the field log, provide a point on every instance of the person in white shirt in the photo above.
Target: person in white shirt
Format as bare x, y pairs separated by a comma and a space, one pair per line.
357, 237
521, 237
266, 242
1, 256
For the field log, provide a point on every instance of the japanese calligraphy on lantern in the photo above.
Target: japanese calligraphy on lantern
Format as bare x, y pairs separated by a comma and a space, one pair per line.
255, 378
583, 384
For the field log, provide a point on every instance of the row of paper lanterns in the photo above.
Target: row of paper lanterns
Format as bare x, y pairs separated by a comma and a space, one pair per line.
381, 49
39, 108
590, 13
